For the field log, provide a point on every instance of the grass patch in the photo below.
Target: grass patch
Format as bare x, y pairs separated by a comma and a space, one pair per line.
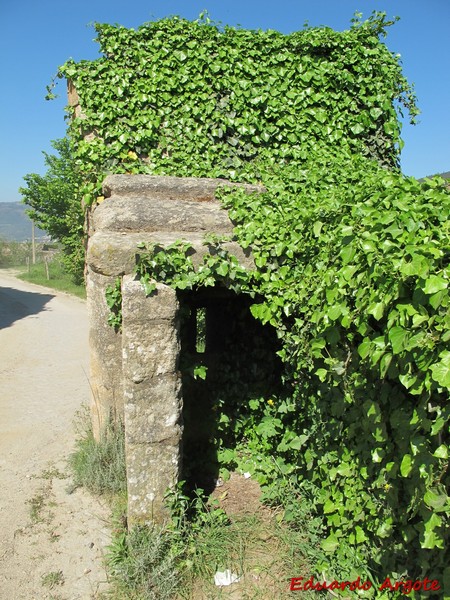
179, 561
143, 564
59, 279
52, 579
99, 465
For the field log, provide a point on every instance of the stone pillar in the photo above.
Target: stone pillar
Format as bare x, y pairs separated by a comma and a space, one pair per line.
106, 355
152, 394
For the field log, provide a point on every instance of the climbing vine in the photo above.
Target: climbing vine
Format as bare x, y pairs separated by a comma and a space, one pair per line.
351, 258
191, 99
354, 271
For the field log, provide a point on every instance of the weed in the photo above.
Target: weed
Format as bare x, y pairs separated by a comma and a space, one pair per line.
143, 563
37, 504
52, 472
52, 579
99, 465
181, 559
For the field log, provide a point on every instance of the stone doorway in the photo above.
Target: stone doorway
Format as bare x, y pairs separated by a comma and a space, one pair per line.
135, 372
236, 358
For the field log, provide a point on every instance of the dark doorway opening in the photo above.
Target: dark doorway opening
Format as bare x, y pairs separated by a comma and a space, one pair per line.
227, 358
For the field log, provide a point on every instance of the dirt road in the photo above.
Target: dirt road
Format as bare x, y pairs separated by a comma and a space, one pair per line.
52, 541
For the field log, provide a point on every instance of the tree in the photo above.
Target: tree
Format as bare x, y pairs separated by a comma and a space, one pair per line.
55, 206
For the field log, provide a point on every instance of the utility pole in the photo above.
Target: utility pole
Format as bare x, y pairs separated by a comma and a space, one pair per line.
33, 244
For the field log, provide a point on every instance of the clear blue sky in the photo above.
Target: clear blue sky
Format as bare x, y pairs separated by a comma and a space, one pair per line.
39, 35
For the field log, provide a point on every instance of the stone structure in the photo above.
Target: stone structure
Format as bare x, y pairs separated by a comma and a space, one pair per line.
134, 373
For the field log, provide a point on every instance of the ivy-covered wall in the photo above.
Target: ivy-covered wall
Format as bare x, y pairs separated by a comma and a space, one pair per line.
193, 99
351, 261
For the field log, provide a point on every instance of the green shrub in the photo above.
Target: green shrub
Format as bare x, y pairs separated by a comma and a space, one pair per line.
99, 465
143, 565
175, 97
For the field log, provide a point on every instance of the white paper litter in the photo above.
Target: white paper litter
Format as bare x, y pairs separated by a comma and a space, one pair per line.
247, 475
225, 577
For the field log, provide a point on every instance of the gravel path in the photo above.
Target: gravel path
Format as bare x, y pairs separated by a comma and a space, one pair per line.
52, 540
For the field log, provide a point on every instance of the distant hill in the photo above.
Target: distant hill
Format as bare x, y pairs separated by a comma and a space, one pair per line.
15, 225
445, 175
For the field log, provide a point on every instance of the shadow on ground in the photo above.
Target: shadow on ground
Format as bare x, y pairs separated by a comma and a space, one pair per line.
16, 304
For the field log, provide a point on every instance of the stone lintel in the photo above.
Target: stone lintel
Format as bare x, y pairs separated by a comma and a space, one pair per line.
147, 214
198, 189
114, 253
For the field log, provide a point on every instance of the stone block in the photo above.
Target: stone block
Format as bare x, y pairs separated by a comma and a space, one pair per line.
162, 304
146, 214
149, 349
199, 189
151, 470
153, 411
105, 355
114, 253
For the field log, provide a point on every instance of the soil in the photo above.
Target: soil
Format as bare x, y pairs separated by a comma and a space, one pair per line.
241, 496
262, 573
53, 537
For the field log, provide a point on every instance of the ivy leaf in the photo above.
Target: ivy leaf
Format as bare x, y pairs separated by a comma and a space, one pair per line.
331, 543
357, 129
435, 284
364, 348
376, 310
200, 372
384, 530
397, 336
222, 269
297, 442
406, 465
375, 112
434, 499
360, 536
430, 538
329, 506
317, 228
180, 55
441, 452
347, 254
322, 374
440, 371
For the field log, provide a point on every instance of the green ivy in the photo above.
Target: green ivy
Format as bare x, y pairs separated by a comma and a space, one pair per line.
191, 99
353, 266
351, 259
113, 295
354, 269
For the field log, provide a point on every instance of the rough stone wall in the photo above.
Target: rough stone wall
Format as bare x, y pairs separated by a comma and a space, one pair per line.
134, 373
